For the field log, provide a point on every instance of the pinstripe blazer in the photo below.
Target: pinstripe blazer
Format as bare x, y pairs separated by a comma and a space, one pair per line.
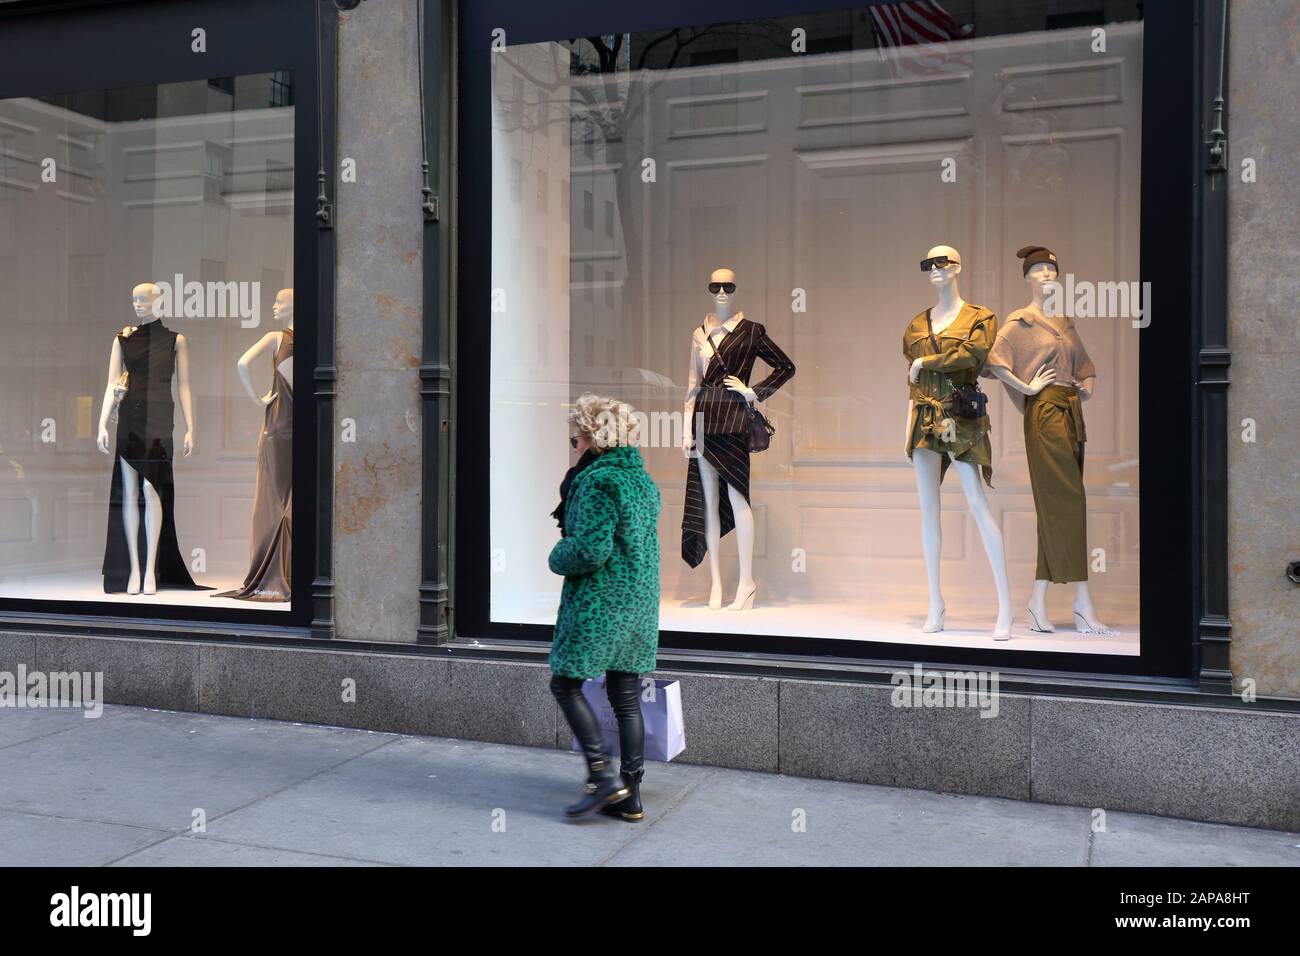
731, 350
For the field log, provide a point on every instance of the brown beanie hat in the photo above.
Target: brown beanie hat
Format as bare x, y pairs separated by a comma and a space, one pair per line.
1035, 254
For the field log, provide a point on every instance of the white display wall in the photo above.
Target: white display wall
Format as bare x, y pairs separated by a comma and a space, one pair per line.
819, 173
205, 191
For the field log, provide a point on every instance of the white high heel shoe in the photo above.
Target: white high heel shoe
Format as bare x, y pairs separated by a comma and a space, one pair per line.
1083, 626
745, 605
934, 627
1036, 625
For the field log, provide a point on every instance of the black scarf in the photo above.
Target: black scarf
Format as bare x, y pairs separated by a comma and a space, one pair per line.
587, 458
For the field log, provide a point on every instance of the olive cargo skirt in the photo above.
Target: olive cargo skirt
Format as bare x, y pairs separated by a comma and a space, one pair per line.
1054, 440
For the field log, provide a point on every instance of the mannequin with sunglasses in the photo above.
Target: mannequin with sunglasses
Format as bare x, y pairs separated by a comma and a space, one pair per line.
723, 351
946, 346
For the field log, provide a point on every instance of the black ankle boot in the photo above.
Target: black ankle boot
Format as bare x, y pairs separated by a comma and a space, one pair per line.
603, 787
629, 808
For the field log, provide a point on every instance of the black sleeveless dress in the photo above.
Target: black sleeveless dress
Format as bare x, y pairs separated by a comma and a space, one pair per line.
270, 561
144, 441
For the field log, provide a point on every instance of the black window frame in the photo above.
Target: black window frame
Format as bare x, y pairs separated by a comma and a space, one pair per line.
49, 48
1182, 515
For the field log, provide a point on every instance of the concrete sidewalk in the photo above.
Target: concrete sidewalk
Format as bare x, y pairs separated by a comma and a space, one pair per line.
124, 789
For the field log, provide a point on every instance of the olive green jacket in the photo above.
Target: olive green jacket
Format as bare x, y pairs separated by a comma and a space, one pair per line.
951, 358
609, 556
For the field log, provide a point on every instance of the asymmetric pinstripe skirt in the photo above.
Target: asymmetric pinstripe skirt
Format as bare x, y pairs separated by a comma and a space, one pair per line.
729, 454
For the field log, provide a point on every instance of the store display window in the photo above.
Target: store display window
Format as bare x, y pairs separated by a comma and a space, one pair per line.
149, 363
872, 279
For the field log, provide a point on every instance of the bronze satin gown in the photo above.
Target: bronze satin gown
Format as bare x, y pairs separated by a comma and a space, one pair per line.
270, 565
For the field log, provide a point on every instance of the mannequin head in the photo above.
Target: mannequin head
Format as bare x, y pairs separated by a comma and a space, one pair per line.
282, 310
1040, 267
944, 276
1039, 274
144, 298
724, 302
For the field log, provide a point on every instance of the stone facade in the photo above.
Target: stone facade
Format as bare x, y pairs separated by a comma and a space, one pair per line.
377, 492
1264, 336
380, 278
1230, 764
1223, 760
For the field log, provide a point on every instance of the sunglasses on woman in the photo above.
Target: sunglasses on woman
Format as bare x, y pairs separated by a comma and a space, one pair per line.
942, 262
573, 442
716, 287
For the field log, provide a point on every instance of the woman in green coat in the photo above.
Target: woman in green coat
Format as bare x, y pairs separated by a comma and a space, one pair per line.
609, 608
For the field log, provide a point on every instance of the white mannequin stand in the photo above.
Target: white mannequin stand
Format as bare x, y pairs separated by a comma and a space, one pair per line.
144, 297
1039, 274
927, 463
724, 307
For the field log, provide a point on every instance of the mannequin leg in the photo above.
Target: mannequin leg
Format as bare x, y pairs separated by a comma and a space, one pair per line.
746, 588
1083, 607
1038, 609
973, 486
131, 525
926, 465
153, 521
712, 530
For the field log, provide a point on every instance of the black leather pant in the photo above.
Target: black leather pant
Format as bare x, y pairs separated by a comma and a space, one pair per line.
624, 691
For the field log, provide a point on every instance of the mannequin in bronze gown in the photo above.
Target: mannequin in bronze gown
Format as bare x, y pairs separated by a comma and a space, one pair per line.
270, 564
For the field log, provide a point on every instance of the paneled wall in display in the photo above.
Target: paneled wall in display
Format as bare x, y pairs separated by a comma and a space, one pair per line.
819, 179
192, 179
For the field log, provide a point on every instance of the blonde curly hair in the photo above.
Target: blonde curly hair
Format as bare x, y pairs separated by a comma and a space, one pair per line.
609, 422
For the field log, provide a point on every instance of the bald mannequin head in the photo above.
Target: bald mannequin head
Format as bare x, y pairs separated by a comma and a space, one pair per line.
144, 299
282, 310
943, 275
723, 300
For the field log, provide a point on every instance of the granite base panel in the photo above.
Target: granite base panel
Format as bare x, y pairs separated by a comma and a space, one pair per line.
1203, 763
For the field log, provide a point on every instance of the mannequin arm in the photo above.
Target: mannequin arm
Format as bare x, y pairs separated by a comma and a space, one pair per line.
183, 390
1085, 373
1044, 377
1008, 378
692, 390
693, 378
114, 373
592, 516
782, 367
271, 341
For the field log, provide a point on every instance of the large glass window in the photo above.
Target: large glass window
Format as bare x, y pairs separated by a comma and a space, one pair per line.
911, 230
146, 306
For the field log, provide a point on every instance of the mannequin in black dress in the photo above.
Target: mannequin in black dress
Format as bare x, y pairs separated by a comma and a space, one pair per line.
144, 361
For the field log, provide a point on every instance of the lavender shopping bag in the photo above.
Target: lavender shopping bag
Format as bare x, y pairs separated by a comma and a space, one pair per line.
661, 708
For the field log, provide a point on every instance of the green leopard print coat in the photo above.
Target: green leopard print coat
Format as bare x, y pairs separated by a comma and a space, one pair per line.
609, 556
